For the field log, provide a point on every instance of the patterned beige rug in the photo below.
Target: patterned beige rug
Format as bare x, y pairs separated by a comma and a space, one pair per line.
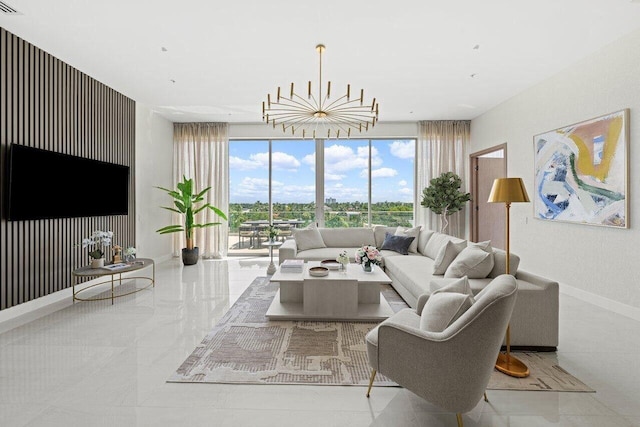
247, 348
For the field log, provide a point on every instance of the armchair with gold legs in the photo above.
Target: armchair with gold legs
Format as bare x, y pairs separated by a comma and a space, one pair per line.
451, 368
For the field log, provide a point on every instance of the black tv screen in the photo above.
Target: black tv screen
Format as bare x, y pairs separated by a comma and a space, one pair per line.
45, 184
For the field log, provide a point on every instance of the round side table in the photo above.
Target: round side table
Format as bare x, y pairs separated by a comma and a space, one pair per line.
271, 245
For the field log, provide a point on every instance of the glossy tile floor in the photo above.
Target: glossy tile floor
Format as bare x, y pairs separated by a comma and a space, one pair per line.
97, 364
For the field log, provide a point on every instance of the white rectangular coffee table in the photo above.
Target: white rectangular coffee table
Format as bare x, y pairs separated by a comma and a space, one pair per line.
342, 295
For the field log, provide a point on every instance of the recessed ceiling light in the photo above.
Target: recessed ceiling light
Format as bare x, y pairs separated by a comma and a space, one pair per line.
164, 49
474, 75
476, 47
172, 81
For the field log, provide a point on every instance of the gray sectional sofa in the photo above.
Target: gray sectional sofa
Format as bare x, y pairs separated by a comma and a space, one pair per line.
534, 323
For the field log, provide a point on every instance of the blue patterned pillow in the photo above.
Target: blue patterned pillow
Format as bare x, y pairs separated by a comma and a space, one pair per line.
398, 244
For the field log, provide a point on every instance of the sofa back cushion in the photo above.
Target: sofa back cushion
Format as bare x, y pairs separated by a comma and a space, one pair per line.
500, 263
436, 242
348, 237
380, 231
423, 238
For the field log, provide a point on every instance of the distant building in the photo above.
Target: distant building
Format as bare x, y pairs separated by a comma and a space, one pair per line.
329, 200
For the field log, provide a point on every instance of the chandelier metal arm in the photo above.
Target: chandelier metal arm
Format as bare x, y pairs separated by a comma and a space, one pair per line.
341, 114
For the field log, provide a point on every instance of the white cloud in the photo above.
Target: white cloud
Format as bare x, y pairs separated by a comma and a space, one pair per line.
342, 158
402, 149
279, 160
402, 183
243, 164
333, 177
406, 191
380, 173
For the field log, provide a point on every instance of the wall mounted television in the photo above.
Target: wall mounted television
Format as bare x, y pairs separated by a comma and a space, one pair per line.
43, 184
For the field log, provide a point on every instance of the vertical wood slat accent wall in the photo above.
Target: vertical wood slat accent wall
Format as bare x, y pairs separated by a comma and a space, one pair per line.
48, 104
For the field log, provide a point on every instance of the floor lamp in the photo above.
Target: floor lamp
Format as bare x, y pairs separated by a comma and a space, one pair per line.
507, 191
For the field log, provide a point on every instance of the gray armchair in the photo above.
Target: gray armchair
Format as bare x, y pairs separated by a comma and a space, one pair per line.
451, 368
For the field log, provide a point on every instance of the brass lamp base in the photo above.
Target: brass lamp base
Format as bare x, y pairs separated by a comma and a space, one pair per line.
512, 366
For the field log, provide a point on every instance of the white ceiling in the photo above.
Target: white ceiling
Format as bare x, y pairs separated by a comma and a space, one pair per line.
416, 57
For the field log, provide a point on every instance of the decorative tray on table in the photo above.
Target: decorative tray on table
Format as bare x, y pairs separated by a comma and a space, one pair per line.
331, 264
318, 271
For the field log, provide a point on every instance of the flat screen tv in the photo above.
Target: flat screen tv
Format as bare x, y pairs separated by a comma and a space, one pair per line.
44, 184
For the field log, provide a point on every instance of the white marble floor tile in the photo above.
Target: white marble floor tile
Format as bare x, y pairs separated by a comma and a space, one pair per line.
98, 364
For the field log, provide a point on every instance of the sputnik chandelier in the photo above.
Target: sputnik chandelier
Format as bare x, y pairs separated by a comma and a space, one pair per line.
322, 116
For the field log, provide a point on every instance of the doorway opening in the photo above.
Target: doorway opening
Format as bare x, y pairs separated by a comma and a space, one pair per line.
487, 219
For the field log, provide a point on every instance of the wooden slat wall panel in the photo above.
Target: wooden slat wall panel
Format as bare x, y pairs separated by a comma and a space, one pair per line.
46, 103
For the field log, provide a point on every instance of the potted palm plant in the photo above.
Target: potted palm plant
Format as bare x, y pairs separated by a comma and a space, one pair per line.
189, 203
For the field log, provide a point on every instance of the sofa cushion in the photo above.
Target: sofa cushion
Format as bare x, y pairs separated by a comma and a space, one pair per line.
446, 255
410, 232
442, 309
475, 261
423, 238
346, 237
500, 263
412, 272
437, 241
398, 244
309, 238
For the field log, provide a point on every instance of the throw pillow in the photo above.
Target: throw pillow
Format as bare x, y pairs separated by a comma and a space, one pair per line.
442, 309
398, 244
474, 261
446, 255
436, 242
410, 232
308, 238
460, 286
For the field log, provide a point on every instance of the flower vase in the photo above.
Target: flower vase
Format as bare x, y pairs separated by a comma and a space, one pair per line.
97, 262
368, 268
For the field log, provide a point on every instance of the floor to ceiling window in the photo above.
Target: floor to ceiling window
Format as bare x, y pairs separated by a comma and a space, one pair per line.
334, 183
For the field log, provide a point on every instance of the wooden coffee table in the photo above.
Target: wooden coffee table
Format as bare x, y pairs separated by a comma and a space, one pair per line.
342, 295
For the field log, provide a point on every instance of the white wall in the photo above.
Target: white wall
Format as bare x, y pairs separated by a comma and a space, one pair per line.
154, 167
599, 264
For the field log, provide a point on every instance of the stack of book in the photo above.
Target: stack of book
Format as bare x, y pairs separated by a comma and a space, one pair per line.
292, 266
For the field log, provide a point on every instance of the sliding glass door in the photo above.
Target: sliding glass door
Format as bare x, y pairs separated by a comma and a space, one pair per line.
334, 183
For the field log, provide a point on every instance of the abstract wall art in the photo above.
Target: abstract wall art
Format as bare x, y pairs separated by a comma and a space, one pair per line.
581, 172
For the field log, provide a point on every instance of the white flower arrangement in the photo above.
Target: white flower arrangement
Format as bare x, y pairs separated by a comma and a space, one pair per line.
98, 239
130, 251
343, 259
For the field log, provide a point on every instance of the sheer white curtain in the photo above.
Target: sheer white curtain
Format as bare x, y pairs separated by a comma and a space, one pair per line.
441, 147
201, 152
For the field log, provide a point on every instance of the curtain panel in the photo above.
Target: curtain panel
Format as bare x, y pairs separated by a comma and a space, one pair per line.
201, 152
441, 147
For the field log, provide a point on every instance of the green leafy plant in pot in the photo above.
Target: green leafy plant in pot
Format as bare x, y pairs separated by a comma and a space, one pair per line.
443, 197
189, 203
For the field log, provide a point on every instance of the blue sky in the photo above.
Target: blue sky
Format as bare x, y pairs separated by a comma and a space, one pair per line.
346, 165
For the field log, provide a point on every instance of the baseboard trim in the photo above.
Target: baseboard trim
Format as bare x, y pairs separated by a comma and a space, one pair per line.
600, 301
29, 311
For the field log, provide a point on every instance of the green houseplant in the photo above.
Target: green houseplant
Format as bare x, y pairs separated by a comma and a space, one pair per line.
188, 202
444, 198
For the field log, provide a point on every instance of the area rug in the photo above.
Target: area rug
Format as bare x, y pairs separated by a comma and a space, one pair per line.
247, 348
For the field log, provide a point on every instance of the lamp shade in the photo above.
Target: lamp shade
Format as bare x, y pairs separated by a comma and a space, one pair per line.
508, 190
